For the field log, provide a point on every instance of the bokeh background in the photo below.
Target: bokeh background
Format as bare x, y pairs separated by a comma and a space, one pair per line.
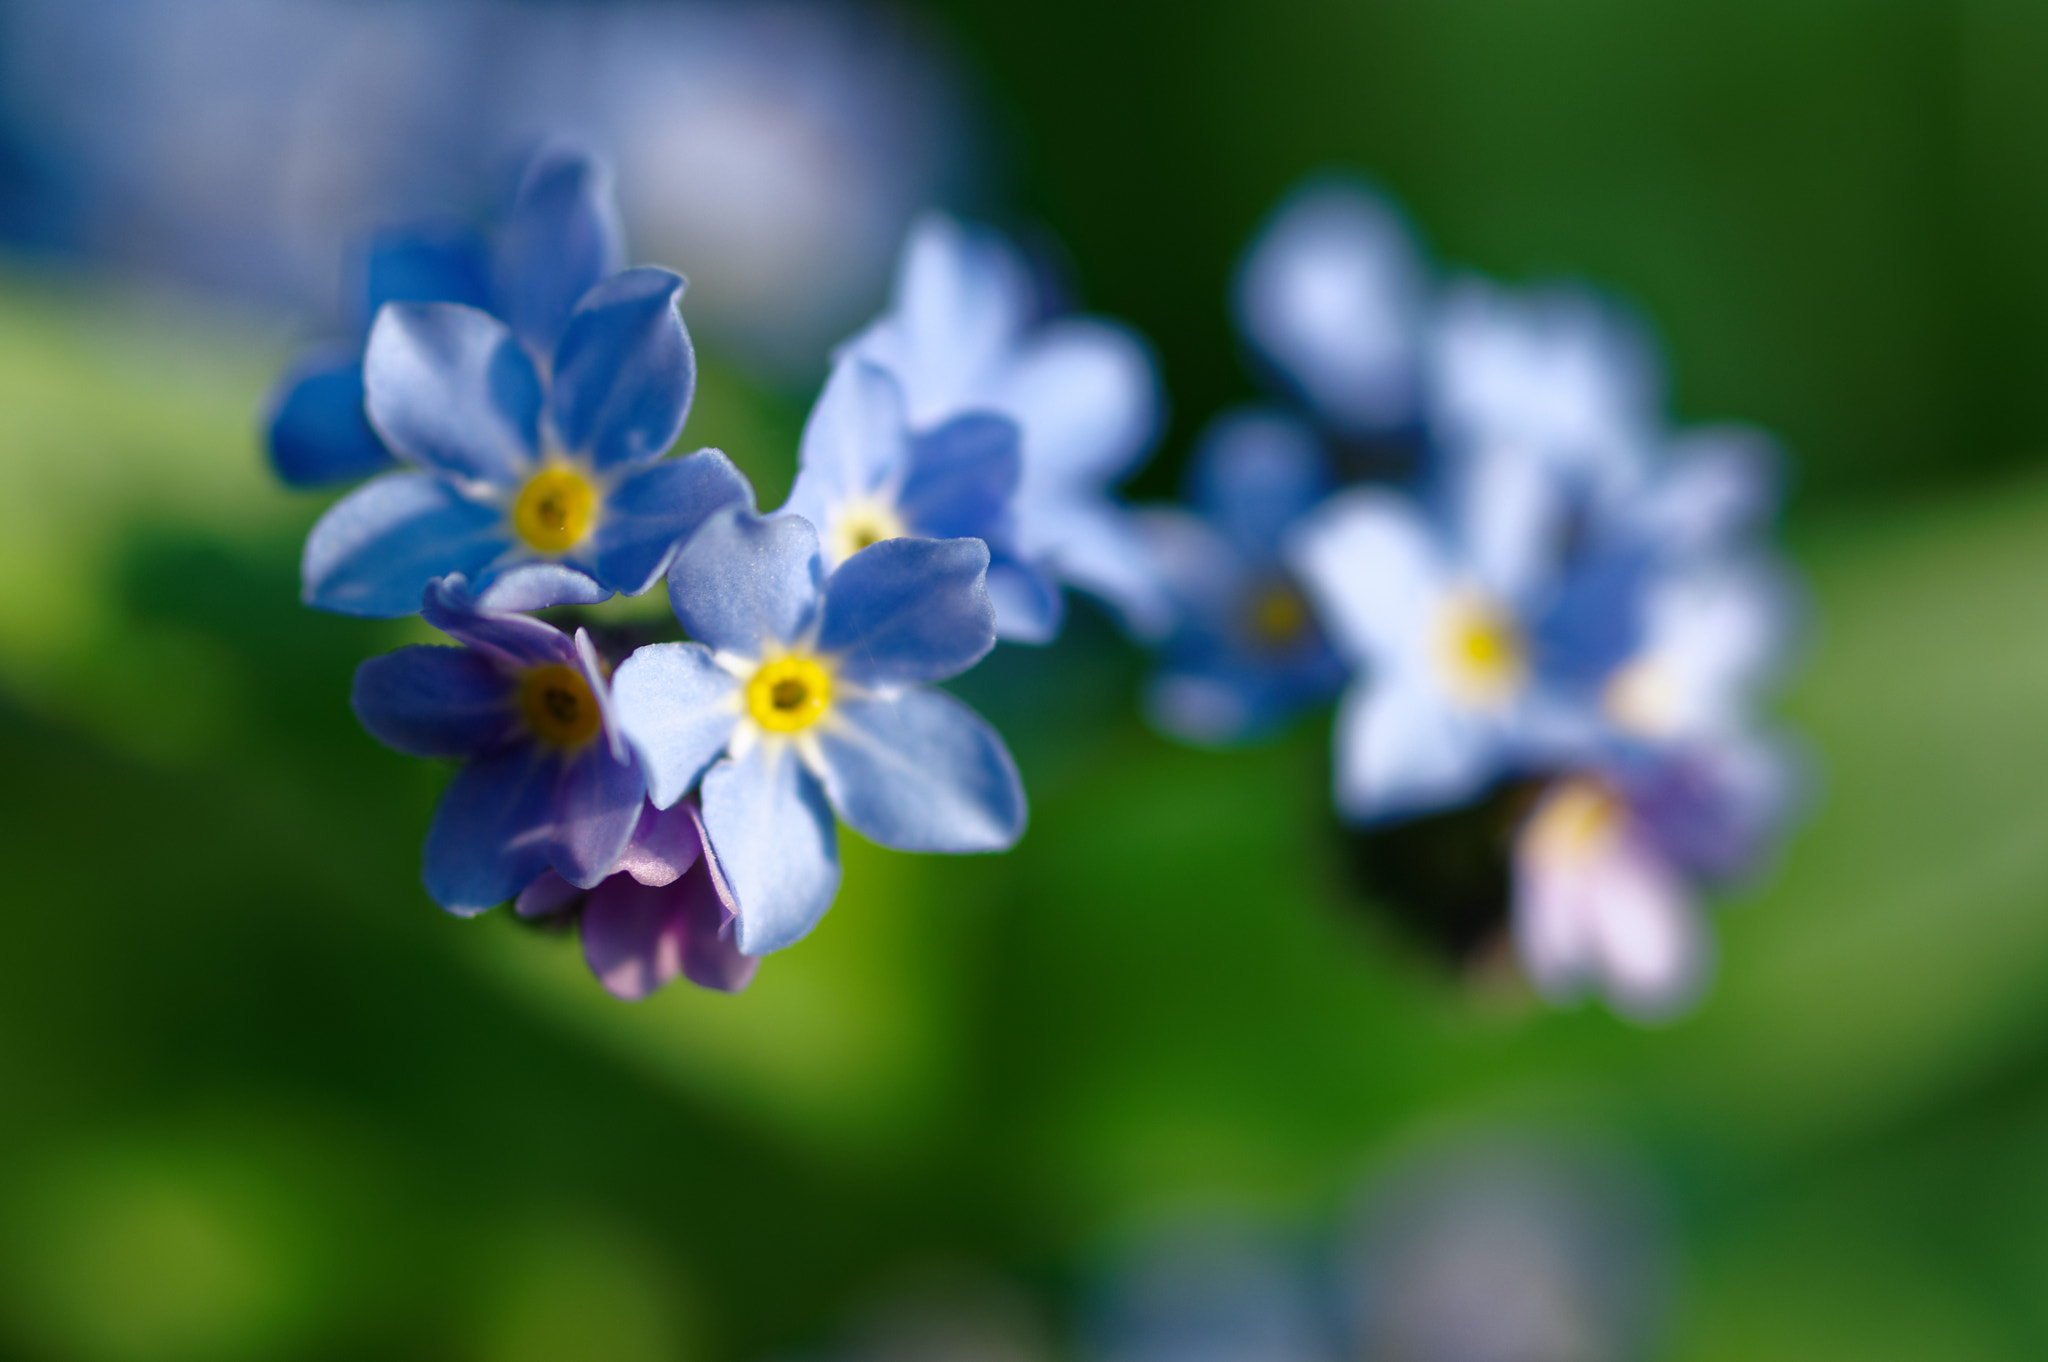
259, 1099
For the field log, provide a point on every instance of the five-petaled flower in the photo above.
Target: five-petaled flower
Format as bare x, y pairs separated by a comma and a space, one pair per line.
548, 781
803, 693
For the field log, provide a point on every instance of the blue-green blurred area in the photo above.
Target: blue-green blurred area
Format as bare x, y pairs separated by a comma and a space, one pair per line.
259, 1099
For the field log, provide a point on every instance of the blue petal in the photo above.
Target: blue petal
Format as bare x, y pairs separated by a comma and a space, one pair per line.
560, 240
436, 702
448, 387
318, 432
855, 444
1028, 604
1100, 551
677, 707
962, 477
921, 772
909, 610
743, 584
427, 264
376, 549
649, 515
1255, 472
540, 586
624, 372
776, 844
516, 640
490, 836
597, 806
1402, 750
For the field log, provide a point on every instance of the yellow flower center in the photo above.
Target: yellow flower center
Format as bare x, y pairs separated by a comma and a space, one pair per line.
1276, 615
1576, 820
558, 705
788, 694
862, 523
1481, 650
554, 509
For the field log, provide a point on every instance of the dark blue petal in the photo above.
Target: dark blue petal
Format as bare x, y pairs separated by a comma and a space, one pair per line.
376, 549
597, 806
624, 372
1255, 473
490, 836
318, 431
909, 610
677, 708
436, 702
743, 584
559, 241
448, 387
776, 844
515, 640
433, 263
962, 477
921, 772
649, 515
540, 586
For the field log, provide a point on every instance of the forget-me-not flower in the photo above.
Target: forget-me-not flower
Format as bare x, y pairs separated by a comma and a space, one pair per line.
663, 911
865, 476
1246, 652
802, 694
548, 782
964, 334
535, 444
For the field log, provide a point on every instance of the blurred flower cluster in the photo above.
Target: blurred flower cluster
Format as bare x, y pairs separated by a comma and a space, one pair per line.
1465, 519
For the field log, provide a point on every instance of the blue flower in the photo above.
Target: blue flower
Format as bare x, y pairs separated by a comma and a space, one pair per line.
1332, 296
964, 335
864, 476
559, 240
1246, 652
803, 694
537, 472
547, 783
663, 911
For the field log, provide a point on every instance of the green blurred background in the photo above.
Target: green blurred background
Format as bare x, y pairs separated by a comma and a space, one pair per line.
259, 1099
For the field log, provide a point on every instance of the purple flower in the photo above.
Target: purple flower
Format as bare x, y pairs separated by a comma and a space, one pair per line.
547, 781
664, 910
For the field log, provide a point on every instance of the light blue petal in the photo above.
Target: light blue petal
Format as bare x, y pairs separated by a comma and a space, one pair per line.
777, 846
597, 806
624, 372
540, 586
677, 708
1255, 472
515, 640
560, 240
906, 611
649, 515
1332, 295
1101, 551
855, 442
1374, 568
449, 388
1402, 750
1028, 604
744, 584
1085, 392
436, 702
376, 549
962, 478
318, 432
490, 836
921, 772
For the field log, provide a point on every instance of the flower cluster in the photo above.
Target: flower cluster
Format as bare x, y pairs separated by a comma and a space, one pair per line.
1467, 521
515, 405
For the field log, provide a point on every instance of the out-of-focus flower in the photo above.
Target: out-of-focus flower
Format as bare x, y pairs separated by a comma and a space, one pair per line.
865, 477
1332, 295
963, 334
1246, 652
663, 911
803, 694
548, 782
1508, 1251
536, 463
1212, 1292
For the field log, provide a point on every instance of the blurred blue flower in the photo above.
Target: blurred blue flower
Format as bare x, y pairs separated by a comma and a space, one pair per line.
548, 782
865, 476
964, 334
539, 469
1214, 1292
1332, 296
1246, 653
804, 694
663, 911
